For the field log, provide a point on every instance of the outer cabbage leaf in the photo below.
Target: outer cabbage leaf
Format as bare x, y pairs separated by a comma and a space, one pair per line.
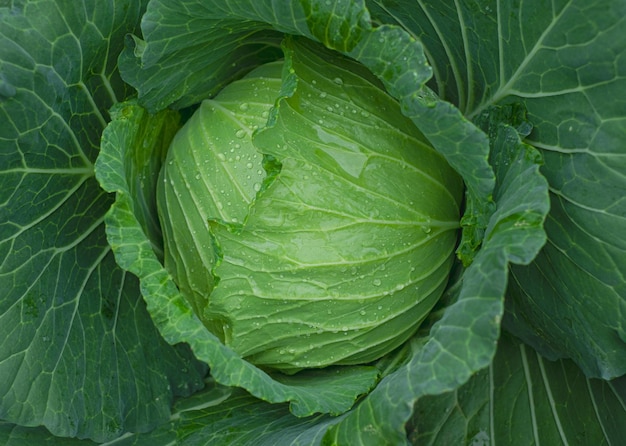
223, 40
216, 415
522, 398
565, 62
79, 353
192, 49
13, 435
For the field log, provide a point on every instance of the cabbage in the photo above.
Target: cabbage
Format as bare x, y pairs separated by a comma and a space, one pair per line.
306, 220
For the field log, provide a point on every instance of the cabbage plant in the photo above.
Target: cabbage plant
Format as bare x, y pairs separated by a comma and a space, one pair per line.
312, 222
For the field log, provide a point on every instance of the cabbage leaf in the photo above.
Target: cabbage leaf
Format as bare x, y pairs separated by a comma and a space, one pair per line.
79, 353
565, 64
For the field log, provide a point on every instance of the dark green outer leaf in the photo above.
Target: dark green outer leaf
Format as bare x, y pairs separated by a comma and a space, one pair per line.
214, 416
78, 351
12, 435
564, 61
521, 399
570, 302
196, 48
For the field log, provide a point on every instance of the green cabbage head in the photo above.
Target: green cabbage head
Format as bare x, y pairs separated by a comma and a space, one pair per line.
306, 220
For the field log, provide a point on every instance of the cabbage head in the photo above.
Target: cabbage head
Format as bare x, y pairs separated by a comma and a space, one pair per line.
306, 220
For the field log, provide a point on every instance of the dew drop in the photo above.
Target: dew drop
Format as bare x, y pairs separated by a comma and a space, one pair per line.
244, 106
221, 157
257, 187
376, 282
240, 133
338, 81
